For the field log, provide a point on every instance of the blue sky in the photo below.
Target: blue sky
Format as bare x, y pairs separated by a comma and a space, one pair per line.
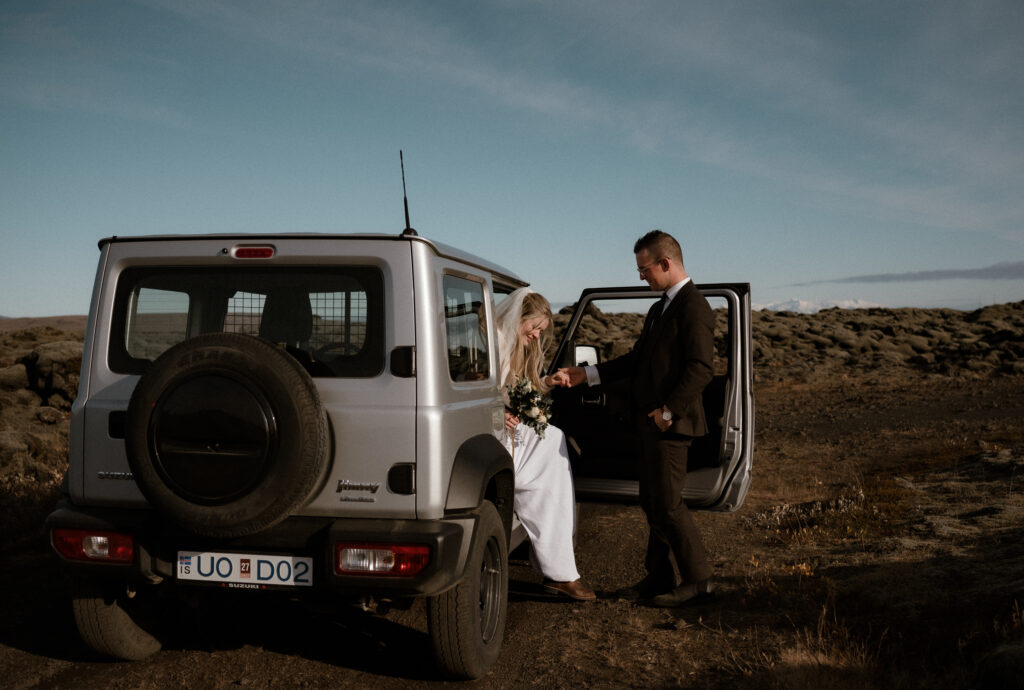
829, 151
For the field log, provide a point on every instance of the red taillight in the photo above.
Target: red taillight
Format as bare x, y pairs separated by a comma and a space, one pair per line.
253, 252
93, 546
390, 560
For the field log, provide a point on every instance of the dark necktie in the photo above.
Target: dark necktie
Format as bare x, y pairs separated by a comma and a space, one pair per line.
652, 323
659, 310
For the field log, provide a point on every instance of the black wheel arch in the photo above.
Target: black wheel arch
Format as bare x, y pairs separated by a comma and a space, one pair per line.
482, 471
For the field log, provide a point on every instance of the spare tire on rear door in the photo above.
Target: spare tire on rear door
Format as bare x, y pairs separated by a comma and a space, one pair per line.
225, 435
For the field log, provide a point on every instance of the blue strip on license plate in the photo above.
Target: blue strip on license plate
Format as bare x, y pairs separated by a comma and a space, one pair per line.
245, 570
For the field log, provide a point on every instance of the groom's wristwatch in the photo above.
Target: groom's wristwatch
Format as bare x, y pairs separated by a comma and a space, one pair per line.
666, 415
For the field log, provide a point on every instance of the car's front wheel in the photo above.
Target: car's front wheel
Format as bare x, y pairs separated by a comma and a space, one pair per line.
467, 623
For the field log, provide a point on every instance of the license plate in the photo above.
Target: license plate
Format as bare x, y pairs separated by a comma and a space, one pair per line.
245, 570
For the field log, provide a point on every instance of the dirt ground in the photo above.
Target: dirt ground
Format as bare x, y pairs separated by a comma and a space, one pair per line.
880, 546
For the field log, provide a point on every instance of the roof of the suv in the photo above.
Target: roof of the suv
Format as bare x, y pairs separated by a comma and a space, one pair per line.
441, 249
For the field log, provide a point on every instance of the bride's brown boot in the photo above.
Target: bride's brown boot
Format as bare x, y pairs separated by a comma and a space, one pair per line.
574, 590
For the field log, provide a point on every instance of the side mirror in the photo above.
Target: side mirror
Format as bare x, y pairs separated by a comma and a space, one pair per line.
584, 355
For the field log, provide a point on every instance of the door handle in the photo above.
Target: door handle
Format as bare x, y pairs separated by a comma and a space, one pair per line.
592, 400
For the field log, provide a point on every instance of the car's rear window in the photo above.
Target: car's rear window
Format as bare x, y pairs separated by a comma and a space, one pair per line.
331, 320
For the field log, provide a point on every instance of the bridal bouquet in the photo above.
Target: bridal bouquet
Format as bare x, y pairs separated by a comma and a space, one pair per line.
532, 407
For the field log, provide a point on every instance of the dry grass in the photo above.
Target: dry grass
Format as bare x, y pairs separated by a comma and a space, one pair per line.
827, 656
873, 510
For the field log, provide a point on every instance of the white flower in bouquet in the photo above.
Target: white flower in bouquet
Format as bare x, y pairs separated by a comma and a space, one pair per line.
532, 407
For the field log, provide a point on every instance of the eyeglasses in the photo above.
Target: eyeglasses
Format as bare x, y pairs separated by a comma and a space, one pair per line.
642, 270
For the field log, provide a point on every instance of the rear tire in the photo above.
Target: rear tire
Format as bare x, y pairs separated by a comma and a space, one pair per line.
467, 623
107, 620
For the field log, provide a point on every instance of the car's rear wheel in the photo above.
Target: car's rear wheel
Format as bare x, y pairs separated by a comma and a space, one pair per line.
226, 435
110, 619
467, 623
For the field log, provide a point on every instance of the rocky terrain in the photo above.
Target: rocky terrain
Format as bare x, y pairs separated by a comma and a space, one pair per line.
802, 348
39, 370
880, 545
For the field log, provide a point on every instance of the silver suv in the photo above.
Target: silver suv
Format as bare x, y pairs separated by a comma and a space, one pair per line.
317, 414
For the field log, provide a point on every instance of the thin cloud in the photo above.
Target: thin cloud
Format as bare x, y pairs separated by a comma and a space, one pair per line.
957, 161
413, 41
50, 68
1007, 270
957, 147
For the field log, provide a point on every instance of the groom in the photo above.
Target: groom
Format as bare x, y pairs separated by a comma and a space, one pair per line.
669, 366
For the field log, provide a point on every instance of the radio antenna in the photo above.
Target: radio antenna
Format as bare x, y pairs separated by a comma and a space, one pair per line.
405, 199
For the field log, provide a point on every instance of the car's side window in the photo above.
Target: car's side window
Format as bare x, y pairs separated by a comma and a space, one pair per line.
465, 328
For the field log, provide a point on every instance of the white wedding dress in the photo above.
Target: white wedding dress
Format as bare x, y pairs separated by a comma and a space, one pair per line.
545, 500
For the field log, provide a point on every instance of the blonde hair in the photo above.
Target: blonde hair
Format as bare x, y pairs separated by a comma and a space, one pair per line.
528, 358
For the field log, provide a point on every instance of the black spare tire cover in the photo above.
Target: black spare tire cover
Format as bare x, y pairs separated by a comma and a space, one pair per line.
226, 435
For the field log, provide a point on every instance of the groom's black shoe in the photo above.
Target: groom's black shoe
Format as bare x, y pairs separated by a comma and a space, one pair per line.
648, 587
683, 594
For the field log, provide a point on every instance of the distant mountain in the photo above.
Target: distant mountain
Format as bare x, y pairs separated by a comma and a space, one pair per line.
801, 306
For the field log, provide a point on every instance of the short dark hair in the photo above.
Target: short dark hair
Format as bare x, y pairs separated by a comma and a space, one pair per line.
661, 245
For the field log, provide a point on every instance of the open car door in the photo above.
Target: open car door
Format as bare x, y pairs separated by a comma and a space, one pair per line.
597, 421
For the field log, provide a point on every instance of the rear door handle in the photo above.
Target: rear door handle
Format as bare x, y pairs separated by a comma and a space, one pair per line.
592, 400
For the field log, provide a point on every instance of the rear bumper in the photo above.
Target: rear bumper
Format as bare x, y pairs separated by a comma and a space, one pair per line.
157, 545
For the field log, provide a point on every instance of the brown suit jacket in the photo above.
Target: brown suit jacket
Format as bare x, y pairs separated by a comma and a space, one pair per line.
672, 361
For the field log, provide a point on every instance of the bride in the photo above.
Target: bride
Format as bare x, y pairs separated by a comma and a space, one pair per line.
544, 498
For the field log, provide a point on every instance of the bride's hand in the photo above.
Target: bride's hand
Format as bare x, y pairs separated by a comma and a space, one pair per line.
511, 421
559, 378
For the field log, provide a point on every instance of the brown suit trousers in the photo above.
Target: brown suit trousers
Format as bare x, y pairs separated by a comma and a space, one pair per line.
670, 365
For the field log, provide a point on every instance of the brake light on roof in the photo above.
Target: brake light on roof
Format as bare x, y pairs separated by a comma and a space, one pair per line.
93, 546
263, 251
390, 560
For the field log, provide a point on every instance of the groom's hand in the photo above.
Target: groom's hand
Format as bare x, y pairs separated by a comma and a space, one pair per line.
659, 422
577, 375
